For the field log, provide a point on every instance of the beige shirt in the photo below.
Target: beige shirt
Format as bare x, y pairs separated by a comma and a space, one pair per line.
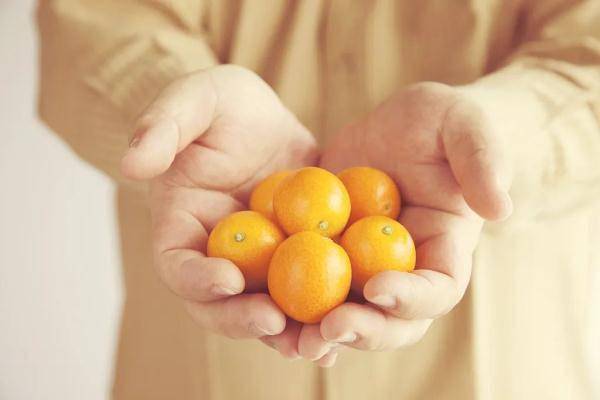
527, 328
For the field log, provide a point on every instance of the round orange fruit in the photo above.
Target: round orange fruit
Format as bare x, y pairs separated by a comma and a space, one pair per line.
309, 275
372, 192
376, 244
261, 199
248, 239
312, 199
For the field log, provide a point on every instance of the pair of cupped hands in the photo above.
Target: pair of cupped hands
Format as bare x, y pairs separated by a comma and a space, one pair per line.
210, 137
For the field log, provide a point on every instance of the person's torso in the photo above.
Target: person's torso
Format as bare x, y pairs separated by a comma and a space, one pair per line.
331, 61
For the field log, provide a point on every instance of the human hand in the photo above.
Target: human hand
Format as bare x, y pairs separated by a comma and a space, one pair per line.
442, 150
205, 142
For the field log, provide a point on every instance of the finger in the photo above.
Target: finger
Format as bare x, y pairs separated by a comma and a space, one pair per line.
402, 333
365, 328
215, 170
195, 277
418, 295
328, 360
354, 325
474, 155
286, 342
207, 207
432, 289
181, 113
152, 150
311, 344
180, 242
425, 223
242, 316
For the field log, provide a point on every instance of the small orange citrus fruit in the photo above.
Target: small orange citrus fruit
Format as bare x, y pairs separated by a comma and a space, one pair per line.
309, 275
375, 244
248, 239
372, 192
261, 199
312, 199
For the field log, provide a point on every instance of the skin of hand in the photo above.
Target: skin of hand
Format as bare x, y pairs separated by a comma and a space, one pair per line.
204, 143
445, 155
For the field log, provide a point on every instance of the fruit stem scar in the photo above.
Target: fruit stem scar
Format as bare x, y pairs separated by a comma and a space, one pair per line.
323, 225
387, 230
239, 236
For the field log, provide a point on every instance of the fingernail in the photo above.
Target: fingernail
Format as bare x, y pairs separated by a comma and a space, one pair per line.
223, 291
331, 361
320, 355
384, 301
293, 356
346, 338
266, 340
289, 356
135, 140
259, 330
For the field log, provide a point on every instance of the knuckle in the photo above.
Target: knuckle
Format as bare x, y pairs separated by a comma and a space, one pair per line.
152, 115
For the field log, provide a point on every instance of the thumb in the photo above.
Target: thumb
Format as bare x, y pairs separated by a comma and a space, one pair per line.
152, 149
180, 114
477, 162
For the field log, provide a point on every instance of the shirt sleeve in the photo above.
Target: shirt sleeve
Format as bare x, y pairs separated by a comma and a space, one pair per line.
103, 61
545, 103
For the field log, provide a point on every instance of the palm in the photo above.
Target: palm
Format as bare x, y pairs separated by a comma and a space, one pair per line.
215, 174
207, 140
403, 138
435, 144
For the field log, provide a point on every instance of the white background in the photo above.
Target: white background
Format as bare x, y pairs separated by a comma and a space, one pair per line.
60, 292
